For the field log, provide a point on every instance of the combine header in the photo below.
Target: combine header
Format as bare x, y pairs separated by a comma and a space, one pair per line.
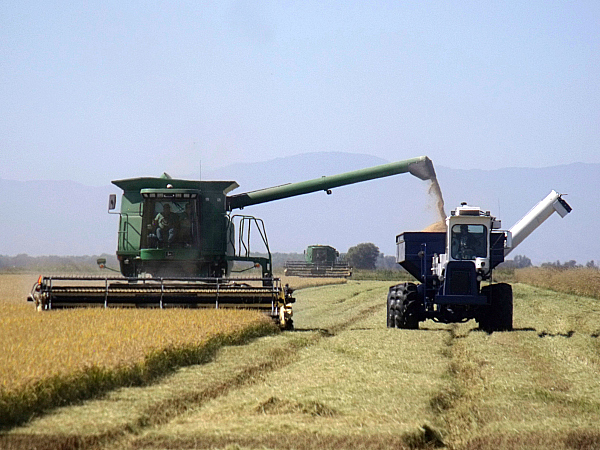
177, 245
320, 261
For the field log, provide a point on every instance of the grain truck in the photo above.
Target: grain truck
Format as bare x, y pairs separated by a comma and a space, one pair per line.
454, 268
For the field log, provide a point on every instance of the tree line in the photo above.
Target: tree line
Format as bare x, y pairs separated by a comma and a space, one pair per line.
84, 264
365, 256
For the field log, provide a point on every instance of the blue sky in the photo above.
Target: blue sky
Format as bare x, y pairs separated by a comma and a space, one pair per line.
96, 91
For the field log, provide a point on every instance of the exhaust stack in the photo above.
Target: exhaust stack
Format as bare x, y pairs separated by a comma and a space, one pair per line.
534, 218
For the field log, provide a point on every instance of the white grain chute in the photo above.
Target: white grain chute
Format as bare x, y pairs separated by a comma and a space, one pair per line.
534, 218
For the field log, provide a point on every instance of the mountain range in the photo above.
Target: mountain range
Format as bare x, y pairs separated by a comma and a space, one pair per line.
69, 218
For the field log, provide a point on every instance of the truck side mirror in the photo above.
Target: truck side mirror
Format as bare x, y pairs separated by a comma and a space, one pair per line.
112, 201
508, 242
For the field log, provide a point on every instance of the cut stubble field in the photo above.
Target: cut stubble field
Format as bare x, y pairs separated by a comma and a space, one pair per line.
343, 380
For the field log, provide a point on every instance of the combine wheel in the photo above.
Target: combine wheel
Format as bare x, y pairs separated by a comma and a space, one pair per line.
499, 314
129, 270
289, 325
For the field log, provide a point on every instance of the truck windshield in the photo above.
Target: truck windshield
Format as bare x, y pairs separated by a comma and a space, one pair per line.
469, 241
169, 223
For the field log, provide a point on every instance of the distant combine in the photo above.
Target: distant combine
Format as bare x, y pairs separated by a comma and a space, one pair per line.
319, 261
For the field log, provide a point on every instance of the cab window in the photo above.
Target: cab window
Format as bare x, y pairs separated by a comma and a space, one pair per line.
169, 223
468, 241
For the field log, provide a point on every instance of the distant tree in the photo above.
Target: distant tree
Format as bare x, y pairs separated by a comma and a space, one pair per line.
522, 261
363, 256
519, 262
557, 265
591, 264
552, 265
387, 263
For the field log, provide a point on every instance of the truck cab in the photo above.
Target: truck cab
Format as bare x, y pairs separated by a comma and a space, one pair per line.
469, 240
452, 265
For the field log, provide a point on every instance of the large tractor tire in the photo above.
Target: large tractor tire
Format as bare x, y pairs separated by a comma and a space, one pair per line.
499, 314
391, 307
408, 307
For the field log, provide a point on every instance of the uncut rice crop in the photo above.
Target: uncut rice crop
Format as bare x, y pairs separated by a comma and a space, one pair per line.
56, 347
47, 344
577, 281
39, 345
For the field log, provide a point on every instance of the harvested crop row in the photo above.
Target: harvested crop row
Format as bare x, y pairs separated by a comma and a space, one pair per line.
532, 388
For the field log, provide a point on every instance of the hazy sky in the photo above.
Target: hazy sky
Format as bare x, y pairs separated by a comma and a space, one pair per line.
96, 91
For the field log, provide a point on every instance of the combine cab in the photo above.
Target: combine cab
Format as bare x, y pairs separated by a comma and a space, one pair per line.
180, 245
320, 261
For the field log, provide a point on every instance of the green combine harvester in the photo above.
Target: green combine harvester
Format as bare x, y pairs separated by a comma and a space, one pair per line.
320, 261
178, 241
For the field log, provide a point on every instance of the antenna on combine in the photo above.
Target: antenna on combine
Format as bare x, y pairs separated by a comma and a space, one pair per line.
199, 163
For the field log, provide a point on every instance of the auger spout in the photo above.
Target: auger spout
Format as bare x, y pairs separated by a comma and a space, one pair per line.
534, 218
421, 167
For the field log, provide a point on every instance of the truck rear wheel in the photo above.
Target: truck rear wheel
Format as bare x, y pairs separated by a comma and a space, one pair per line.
408, 307
499, 314
390, 318
391, 307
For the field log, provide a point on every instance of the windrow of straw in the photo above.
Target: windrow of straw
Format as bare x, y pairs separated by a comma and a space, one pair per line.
582, 281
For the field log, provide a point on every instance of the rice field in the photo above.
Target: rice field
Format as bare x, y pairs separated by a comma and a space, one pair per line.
55, 357
344, 380
577, 281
